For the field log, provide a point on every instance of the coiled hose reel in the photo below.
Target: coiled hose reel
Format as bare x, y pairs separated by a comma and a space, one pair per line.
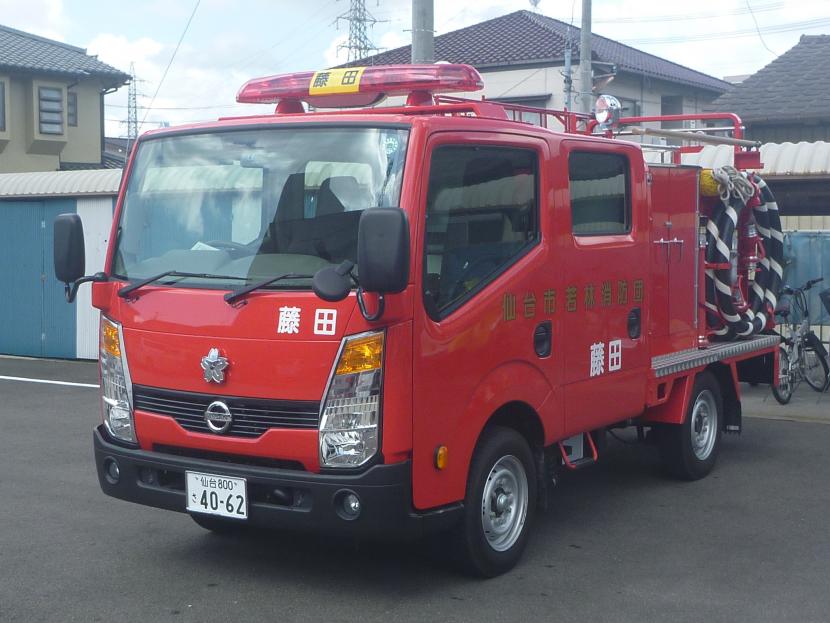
744, 254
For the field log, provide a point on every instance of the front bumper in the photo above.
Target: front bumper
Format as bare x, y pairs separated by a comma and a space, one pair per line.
278, 498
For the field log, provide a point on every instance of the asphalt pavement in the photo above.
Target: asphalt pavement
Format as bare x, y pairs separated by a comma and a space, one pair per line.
622, 542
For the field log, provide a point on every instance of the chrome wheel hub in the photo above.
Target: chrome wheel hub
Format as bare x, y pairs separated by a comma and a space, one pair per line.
704, 425
504, 503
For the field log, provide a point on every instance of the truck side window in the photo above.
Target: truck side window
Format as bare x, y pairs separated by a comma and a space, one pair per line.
599, 193
481, 216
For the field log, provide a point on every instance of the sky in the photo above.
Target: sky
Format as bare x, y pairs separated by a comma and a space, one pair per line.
231, 41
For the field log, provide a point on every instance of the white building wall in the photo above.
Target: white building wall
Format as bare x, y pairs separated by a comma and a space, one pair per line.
96, 214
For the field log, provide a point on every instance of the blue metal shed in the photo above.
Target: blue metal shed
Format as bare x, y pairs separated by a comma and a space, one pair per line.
35, 320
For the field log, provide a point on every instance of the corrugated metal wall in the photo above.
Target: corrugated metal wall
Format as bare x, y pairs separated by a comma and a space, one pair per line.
34, 319
59, 323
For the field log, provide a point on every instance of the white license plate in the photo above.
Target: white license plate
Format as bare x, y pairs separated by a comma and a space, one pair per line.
216, 495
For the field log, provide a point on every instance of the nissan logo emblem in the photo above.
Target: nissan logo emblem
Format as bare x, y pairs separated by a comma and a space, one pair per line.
218, 417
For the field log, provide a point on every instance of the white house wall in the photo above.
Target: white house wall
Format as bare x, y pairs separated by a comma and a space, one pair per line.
96, 214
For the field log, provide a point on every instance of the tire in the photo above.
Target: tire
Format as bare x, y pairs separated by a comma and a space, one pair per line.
689, 450
815, 369
499, 504
217, 525
783, 392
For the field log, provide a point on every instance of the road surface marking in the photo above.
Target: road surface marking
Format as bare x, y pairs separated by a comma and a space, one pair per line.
46, 381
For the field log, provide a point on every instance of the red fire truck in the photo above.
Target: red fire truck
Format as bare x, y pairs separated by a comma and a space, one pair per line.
402, 320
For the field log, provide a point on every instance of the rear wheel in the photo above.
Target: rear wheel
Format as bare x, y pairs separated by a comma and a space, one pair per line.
783, 392
689, 450
815, 369
499, 505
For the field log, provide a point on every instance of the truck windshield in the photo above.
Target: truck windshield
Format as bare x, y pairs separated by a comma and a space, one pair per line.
243, 205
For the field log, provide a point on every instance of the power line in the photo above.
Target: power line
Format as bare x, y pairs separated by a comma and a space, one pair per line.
677, 17
776, 29
203, 107
757, 29
166, 69
299, 30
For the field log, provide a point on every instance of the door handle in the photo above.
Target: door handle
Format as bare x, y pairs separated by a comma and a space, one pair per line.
634, 323
543, 339
668, 245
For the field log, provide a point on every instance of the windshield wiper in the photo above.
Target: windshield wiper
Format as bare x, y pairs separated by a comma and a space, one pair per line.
127, 290
235, 295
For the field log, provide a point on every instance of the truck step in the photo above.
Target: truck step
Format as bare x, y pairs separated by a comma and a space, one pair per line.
573, 451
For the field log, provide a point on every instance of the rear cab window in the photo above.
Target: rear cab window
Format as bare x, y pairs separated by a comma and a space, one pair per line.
600, 193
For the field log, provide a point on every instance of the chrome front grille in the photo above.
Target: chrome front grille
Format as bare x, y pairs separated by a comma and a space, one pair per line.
251, 416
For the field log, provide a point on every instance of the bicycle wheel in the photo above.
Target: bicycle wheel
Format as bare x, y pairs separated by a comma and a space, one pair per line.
783, 392
815, 369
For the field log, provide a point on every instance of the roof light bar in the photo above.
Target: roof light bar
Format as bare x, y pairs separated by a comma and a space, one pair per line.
360, 86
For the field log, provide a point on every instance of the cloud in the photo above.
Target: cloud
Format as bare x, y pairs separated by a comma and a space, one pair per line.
41, 17
198, 87
335, 54
119, 52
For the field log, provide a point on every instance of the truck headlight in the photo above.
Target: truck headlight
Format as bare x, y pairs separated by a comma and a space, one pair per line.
351, 409
116, 392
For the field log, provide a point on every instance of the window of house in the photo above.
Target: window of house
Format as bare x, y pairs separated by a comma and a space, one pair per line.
630, 107
671, 105
72, 109
599, 193
2, 106
50, 110
481, 217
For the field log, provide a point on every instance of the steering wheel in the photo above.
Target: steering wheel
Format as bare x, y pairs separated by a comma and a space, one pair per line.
473, 271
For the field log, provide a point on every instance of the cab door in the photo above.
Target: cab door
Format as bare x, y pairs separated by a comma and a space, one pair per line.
604, 254
484, 320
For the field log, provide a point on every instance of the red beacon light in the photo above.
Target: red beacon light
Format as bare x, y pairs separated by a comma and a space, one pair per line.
347, 87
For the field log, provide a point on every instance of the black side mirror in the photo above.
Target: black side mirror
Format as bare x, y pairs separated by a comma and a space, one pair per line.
333, 283
69, 254
68, 248
383, 250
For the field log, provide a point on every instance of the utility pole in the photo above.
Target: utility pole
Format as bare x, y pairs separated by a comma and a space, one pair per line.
423, 31
359, 45
132, 111
586, 80
568, 73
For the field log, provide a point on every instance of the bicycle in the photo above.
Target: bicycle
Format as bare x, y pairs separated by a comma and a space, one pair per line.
802, 356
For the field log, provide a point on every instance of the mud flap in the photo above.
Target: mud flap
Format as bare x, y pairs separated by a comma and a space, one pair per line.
732, 417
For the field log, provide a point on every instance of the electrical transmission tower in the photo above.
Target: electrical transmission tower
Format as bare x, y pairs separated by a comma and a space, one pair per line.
360, 20
132, 111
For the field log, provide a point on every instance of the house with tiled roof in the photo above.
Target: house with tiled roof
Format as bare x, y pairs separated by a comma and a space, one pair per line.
51, 104
521, 56
786, 100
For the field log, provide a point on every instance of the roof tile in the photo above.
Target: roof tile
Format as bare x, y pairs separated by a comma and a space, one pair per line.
790, 88
23, 51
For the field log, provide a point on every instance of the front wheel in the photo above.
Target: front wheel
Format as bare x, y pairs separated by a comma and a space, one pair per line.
499, 504
783, 392
815, 369
689, 449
